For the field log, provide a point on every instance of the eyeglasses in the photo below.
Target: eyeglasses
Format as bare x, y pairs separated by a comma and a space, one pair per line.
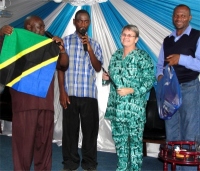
127, 35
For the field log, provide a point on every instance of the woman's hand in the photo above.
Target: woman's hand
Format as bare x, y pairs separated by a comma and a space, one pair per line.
105, 76
125, 91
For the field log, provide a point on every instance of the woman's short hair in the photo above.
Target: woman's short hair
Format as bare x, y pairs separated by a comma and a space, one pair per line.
131, 27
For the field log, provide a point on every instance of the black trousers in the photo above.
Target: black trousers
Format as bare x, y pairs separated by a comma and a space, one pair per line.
82, 110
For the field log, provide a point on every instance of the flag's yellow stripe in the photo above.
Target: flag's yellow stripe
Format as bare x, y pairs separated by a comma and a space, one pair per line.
27, 72
24, 52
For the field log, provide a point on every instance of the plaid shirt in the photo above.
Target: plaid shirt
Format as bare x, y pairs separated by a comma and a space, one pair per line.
80, 77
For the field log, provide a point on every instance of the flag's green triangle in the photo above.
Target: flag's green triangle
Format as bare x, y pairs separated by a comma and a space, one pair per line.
10, 41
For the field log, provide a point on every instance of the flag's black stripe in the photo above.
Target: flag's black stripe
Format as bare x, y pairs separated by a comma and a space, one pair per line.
28, 61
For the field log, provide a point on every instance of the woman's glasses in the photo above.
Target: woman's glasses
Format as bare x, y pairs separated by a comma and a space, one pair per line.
127, 35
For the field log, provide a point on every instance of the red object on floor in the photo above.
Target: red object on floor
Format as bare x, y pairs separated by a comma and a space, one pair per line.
169, 155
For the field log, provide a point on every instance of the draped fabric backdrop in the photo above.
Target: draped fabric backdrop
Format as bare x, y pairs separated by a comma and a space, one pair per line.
152, 17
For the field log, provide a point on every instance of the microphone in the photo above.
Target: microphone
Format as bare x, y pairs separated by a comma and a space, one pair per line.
83, 31
49, 35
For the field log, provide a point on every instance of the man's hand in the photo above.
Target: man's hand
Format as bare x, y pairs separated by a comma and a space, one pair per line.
84, 40
57, 40
160, 77
64, 100
125, 91
6, 30
173, 59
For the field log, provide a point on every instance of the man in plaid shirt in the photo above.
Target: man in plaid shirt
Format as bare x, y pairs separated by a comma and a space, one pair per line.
78, 96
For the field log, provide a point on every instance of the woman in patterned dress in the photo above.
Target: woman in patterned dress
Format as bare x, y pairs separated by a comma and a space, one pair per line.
131, 76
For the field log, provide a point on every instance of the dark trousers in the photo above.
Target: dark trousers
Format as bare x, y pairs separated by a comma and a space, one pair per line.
32, 133
82, 110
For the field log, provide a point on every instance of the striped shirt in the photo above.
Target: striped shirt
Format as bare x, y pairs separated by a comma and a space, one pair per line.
80, 77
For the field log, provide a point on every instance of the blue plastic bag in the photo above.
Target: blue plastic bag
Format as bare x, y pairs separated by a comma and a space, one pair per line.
168, 94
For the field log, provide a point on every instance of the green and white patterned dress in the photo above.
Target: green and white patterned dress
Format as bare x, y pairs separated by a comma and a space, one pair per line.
127, 113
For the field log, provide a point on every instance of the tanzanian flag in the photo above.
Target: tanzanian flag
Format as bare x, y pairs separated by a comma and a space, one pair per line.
28, 62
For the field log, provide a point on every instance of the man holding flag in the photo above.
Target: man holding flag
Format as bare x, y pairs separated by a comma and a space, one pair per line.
30, 77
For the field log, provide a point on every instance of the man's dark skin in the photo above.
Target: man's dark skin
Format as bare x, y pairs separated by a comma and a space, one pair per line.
35, 24
181, 19
82, 21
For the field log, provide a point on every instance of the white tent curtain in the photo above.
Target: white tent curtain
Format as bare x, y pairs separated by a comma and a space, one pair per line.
151, 31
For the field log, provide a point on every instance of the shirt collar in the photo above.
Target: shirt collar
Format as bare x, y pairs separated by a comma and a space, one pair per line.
187, 31
75, 33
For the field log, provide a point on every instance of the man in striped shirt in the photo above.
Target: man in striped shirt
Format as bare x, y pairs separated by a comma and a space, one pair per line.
78, 96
